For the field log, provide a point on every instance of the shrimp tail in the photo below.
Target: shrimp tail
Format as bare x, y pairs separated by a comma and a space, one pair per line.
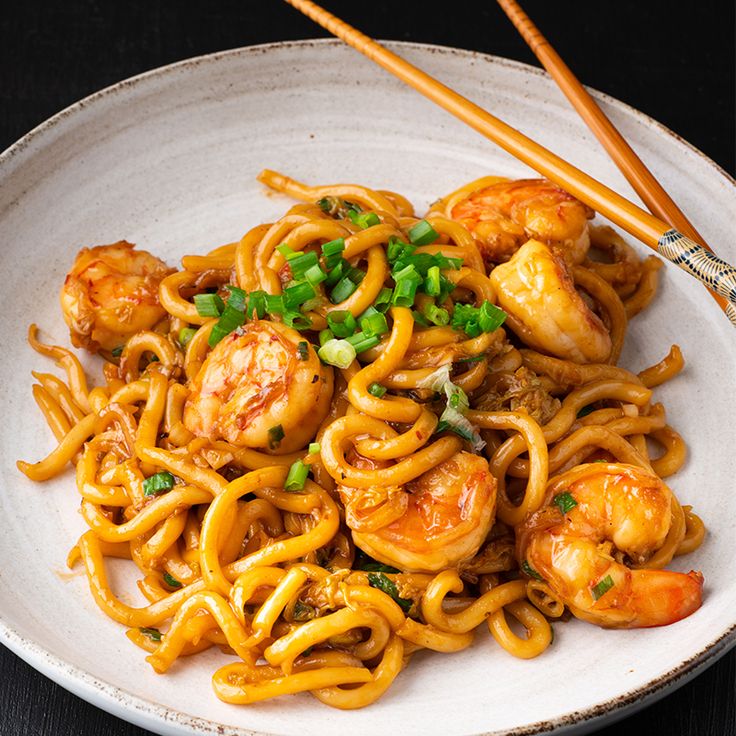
661, 597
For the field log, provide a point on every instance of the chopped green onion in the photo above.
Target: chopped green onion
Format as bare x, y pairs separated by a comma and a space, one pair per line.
345, 287
303, 350
324, 336
436, 315
419, 318
564, 502
602, 587
208, 305
230, 320
339, 353
295, 296
377, 567
372, 322
529, 571
275, 303
301, 263
275, 435
437, 379
447, 287
185, 336
153, 634
432, 284
171, 582
314, 448
325, 204
303, 612
297, 320
237, 297
332, 252
407, 282
286, 251
380, 581
456, 397
456, 422
422, 233
364, 220
375, 389
315, 275
356, 275
256, 305
360, 341
398, 249
337, 272
297, 476
472, 359
383, 300
341, 322
158, 483
490, 317
118, 351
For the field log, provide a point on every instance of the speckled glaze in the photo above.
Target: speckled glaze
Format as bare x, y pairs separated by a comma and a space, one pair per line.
168, 161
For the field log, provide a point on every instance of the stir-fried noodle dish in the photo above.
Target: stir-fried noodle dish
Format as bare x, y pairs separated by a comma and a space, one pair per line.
355, 434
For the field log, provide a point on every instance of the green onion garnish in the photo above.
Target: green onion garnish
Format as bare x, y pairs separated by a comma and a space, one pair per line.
295, 296
345, 287
472, 358
341, 322
297, 476
230, 320
275, 435
419, 318
297, 320
158, 483
332, 252
432, 284
529, 571
372, 322
337, 272
286, 251
303, 350
407, 283
153, 634
301, 263
324, 336
436, 315
490, 317
383, 300
398, 249
118, 351
339, 353
275, 303
314, 448
602, 587
564, 502
208, 305
256, 305
380, 581
360, 341
375, 389
315, 275
364, 220
237, 297
422, 233
185, 336
171, 582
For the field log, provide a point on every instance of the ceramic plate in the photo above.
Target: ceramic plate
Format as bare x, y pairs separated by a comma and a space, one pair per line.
168, 161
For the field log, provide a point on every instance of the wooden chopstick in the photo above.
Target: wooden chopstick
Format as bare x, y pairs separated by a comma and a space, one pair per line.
673, 245
632, 167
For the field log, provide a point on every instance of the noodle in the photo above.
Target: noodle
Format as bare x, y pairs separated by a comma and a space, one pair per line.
352, 341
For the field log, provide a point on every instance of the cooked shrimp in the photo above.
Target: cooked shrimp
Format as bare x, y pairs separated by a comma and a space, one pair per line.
110, 294
503, 216
537, 291
262, 386
447, 514
568, 543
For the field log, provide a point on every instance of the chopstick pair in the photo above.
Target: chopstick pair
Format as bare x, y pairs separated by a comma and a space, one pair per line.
678, 247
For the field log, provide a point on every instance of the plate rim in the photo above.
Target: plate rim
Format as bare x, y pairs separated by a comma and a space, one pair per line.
147, 713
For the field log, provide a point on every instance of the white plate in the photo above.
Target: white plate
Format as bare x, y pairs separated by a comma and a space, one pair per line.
168, 161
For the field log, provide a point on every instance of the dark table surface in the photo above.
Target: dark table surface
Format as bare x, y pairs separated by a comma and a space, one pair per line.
674, 61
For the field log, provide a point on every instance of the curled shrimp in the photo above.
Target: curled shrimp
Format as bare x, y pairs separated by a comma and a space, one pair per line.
536, 290
594, 515
503, 216
440, 518
110, 294
262, 386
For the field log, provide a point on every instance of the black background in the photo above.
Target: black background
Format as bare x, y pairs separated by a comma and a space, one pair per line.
675, 61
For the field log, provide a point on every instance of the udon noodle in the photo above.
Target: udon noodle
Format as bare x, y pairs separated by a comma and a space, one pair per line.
355, 434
